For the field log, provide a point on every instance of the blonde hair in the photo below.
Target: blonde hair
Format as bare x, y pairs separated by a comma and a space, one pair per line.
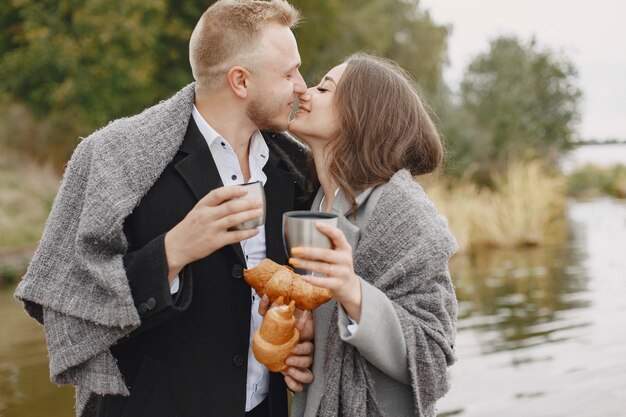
227, 35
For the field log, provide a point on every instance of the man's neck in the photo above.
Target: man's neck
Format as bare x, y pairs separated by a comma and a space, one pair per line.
229, 119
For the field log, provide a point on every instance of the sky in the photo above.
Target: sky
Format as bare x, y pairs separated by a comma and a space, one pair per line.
591, 33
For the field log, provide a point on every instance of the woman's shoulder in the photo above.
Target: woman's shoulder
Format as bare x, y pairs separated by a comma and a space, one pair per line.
402, 189
405, 206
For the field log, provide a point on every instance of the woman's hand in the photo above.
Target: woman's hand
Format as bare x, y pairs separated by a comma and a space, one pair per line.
338, 267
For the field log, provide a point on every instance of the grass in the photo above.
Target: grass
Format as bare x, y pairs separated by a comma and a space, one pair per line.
520, 209
26, 194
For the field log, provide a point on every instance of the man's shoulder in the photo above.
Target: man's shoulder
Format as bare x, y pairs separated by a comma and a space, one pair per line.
156, 119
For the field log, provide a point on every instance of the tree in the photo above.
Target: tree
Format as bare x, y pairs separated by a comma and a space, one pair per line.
70, 66
395, 29
517, 99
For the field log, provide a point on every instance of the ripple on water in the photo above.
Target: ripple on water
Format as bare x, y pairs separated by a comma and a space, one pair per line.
541, 330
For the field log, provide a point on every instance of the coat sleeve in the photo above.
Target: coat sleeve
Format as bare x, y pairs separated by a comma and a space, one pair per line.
379, 337
147, 270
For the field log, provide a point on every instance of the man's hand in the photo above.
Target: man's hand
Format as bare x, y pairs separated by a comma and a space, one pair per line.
206, 228
299, 372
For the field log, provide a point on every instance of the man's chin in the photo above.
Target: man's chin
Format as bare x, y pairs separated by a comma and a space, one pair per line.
274, 126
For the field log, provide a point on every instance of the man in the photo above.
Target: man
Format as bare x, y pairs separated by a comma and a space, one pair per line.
138, 276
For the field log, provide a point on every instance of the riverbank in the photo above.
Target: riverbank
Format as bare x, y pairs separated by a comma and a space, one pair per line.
522, 209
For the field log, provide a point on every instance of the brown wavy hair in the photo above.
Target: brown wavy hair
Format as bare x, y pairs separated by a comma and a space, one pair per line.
384, 126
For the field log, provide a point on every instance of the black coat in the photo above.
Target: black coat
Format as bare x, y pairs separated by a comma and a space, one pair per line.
189, 357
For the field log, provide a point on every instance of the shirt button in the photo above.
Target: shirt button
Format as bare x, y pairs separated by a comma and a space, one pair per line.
238, 360
237, 271
234, 177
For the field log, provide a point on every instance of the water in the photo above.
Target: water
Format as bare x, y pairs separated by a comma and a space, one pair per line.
25, 387
542, 332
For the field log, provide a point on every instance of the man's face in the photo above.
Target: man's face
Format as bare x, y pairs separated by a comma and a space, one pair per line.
276, 82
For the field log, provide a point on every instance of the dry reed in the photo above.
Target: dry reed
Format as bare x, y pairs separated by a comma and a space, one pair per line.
26, 194
518, 211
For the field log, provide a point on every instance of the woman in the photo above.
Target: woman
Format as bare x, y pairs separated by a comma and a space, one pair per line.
384, 343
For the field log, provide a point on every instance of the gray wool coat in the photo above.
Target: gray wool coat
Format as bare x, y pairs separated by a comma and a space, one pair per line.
402, 246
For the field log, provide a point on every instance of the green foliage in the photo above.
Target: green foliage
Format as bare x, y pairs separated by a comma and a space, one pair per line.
593, 181
9, 274
396, 29
516, 100
70, 66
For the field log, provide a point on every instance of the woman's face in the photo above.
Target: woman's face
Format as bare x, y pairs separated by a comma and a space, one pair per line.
315, 122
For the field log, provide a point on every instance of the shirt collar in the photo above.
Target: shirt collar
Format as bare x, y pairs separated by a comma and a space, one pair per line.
259, 151
210, 135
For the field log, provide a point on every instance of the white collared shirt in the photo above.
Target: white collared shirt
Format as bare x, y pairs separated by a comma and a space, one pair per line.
257, 380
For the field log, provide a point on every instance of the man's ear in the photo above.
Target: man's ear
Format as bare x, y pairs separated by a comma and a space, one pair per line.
238, 80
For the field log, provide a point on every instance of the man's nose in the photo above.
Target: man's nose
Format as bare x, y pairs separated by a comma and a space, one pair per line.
299, 86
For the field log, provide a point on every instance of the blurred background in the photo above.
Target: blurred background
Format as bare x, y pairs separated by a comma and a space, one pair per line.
529, 97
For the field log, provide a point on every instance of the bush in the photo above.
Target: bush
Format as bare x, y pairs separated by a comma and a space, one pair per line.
593, 181
9, 274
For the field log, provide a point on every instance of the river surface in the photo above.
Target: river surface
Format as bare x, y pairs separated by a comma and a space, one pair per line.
542, 331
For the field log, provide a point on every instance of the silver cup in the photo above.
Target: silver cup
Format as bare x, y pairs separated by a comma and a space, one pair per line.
255, 192
299, 230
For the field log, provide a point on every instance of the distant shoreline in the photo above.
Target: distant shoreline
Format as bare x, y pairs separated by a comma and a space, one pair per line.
600, 142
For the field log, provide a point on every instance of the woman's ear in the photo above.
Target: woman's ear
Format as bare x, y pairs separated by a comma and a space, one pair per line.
238, 79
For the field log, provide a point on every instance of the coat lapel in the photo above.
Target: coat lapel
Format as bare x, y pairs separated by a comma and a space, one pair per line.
341, 207
198, 169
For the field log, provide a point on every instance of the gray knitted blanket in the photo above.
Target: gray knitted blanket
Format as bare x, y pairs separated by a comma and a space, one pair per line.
76, 284
408, 260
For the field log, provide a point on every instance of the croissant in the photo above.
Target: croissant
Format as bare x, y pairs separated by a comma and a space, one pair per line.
276, 337
276, 280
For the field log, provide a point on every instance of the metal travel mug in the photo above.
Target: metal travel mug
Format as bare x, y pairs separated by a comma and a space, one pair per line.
255, 192
299, 230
